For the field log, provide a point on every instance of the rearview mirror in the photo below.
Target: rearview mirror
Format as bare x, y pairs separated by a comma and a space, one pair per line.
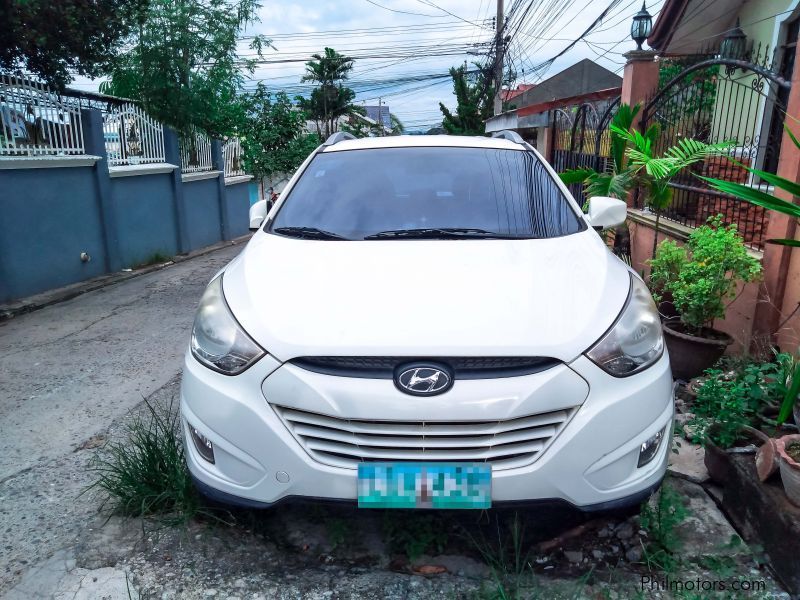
606, 212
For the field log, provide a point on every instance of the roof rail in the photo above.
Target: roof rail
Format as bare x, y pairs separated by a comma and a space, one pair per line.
337, 137
507, 134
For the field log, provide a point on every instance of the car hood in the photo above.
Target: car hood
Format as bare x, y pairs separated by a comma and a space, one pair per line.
426, 298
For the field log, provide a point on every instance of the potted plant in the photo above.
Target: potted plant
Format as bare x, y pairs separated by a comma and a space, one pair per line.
788, 448
701, 276
725, 410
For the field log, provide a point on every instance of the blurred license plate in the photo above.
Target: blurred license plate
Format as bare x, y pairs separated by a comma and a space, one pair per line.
424, 485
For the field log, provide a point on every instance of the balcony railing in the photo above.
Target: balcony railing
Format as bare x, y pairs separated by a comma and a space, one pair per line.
232, 153
196, 153
131, 136
36, 122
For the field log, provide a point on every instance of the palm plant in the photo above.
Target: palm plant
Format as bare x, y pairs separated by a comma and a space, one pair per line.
331, 99
763, 199
634, 164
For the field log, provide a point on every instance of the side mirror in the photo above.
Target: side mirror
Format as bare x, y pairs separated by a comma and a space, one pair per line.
258, 212
606, 212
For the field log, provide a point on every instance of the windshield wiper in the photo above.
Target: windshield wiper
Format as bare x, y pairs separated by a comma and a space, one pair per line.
311, 233
439, 233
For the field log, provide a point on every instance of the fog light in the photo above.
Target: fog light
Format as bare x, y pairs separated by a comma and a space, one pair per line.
649, 449
203, 445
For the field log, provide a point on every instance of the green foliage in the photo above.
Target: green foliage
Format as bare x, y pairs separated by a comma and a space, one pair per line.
145, 473
182, 63
330, 100
698, 89
660, 518
415, 534
666, 267
55, 40
274, 139
716, 262
474, 103
156, 258
759, 198
634, 164
722, 408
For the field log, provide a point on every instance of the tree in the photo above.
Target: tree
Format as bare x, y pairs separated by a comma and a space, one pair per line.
56, 39
475, 103
274, 138
331, 99
182, 63
397, 125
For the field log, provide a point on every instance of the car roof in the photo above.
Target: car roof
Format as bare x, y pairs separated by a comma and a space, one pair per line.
424, 141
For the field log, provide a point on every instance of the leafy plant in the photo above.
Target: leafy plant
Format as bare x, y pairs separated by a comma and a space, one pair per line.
274, 139
183, 63
714, 262
722, 408
145, 473
666, 267
330, 100
474, 102
763, 199
634, 163
660, 518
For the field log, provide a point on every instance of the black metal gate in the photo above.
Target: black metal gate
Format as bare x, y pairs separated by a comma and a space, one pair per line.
716, 99
581, 138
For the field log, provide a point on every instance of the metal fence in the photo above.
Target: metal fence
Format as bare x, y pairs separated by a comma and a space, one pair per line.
131, 137
232, 153
716, 99
196, 153
35, 121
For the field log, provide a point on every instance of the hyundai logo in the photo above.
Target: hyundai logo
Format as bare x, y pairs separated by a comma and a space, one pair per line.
423, 379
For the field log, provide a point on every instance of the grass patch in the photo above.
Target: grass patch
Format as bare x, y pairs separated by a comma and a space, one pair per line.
145, 474
660, 519
156, 258
415, 534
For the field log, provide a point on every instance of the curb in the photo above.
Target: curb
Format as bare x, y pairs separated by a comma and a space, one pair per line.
62, 294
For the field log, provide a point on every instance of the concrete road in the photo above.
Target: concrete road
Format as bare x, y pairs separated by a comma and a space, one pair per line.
70, 369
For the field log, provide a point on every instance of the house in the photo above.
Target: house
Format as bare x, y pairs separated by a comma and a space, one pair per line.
531, 116
508, 95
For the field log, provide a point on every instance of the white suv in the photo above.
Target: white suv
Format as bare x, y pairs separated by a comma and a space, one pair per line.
428, 321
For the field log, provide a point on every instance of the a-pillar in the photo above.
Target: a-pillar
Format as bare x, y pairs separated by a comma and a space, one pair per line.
777, 259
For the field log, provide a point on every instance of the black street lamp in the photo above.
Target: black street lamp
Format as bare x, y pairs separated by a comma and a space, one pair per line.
641, 27
735, 43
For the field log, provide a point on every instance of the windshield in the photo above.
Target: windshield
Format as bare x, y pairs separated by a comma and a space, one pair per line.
439, 192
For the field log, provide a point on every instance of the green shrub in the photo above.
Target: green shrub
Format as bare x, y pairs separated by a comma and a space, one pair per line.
145, 473
704, 274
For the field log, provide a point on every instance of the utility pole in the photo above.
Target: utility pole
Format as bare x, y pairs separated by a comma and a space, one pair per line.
380, 118
498, 61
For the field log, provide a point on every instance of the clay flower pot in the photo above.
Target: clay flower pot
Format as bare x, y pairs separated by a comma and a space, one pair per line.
690, 355
790, 468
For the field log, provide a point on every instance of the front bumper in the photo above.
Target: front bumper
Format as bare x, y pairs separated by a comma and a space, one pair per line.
591, 463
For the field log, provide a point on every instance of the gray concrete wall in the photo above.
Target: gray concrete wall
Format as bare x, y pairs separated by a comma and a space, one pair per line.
49, 216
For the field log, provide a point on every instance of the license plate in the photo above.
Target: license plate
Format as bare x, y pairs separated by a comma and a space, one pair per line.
424, 485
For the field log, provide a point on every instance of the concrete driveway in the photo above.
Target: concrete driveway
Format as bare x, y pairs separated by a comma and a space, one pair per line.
68, 372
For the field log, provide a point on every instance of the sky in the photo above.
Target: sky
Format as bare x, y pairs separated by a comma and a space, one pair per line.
398, 43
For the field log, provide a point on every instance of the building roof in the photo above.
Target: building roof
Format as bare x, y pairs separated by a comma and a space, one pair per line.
507, 94
583, 77
692, 26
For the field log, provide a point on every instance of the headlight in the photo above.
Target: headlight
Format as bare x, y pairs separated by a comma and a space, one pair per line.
217, 339
635, 341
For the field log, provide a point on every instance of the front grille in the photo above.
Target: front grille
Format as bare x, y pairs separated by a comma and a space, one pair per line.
464, 367
346, 442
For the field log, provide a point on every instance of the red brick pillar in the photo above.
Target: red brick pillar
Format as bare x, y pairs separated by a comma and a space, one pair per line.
777, 258
640, 78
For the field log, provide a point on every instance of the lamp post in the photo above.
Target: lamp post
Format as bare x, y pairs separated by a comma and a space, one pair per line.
734, 45
641, 26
